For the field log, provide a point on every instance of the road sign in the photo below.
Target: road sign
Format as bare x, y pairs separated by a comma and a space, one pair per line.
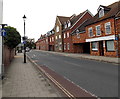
2, 32
24, 42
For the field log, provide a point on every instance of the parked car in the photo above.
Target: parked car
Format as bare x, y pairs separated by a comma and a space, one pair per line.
27, 49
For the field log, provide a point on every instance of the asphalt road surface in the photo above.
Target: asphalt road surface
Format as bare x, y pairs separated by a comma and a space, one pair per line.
96, 77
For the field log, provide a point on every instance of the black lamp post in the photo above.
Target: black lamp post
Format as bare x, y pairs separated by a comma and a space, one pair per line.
24, 40
3, 34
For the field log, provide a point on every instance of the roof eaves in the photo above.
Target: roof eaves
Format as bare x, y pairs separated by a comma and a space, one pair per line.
78, 19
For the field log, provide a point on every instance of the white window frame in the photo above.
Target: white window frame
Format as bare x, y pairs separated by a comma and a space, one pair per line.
108, 48
68, 46
64, 46
64, 35
59, 36
106, 31
101, 12
68, 35
56, 37
60, 46
57, 29
69, 23
50, 39
98, 31
89, 31
96, 46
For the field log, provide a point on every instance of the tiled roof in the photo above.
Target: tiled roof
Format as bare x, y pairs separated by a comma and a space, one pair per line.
113, 10
63, 19
74, 20
81, 27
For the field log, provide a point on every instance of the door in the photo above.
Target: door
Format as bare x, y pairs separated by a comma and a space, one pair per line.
101, 48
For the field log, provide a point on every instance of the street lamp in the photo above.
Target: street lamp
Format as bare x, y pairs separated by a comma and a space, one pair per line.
24, 40
2, 34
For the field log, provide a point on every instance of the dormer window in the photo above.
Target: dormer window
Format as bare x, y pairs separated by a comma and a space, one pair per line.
57, 29
69, 23
77, 31
65, 25
101, 11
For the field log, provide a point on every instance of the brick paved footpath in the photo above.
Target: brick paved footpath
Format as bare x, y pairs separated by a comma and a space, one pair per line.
24, 80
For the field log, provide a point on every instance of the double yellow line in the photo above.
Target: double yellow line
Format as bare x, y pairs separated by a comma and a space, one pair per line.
53, 80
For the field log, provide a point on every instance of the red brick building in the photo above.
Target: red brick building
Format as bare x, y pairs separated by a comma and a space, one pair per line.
79, 39
101, 31
51, 40
38, 45
71, 43
59, 26
98, 35
43, 43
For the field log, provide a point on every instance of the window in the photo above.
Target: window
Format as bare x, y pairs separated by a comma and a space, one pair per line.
67, 34
60, 46
60, 36
56, 37
68, 46
56, 45
78, 35
64, 35
108, 28
57, 29
90, 31
46, 40
94, 46
101, 12
65, 25
52, 38
98, 30
110, 45
64, 46
77, 31
69, 24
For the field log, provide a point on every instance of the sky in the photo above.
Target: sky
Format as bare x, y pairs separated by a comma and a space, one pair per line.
41, 14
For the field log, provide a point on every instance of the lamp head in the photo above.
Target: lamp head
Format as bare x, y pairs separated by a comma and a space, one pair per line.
24, 17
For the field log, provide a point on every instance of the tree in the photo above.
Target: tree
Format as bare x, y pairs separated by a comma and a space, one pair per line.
30, 44
13, 38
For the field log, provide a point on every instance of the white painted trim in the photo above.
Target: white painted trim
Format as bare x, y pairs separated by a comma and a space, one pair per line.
111, 37
78, 20
81, 17
59, 21
90, 13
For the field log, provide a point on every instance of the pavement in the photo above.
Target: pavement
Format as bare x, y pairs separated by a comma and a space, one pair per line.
114, 60
25, 80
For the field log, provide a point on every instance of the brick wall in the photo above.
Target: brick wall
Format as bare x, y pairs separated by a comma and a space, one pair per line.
8, 55
58, 46
118, 33
102, 24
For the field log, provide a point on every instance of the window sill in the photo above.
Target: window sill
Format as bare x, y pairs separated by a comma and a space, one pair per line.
110, 51
95, 50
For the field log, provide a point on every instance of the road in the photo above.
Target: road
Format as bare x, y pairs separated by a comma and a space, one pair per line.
96, 77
